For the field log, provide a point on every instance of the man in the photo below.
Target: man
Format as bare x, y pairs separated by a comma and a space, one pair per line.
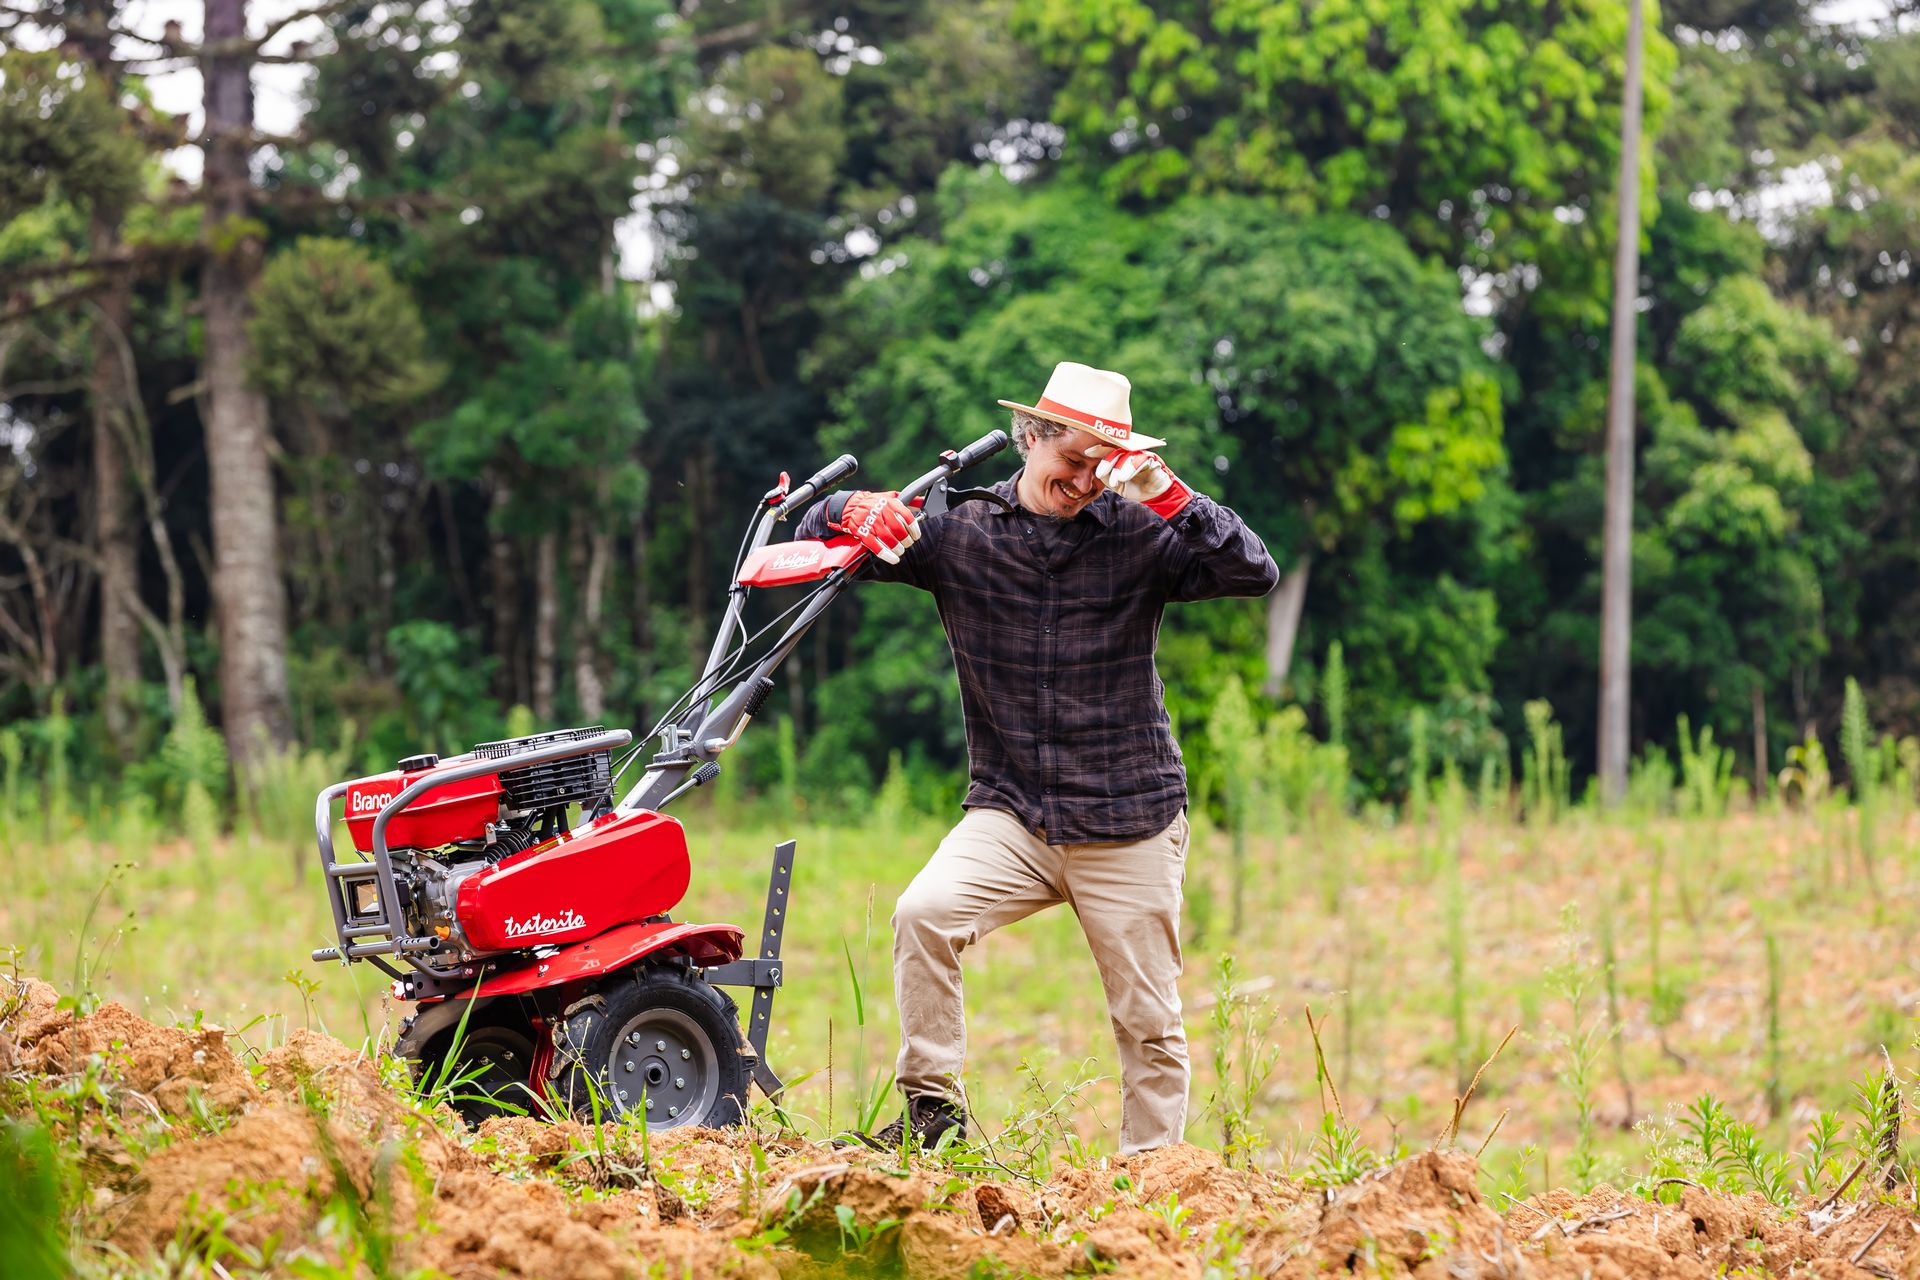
1078, 793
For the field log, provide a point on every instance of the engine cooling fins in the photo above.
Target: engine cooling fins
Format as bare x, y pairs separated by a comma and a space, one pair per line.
582, 780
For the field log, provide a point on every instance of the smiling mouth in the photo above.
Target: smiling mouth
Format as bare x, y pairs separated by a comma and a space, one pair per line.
1071, 494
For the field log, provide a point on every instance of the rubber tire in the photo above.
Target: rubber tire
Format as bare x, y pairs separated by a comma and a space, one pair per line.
586, 1037
493, 1027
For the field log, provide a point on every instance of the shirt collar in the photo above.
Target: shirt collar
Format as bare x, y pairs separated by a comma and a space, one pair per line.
1101, 508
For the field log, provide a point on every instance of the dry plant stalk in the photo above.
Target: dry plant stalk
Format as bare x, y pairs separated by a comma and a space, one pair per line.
1452, 1131
1872, 1240
1326, 1077
1488, 1140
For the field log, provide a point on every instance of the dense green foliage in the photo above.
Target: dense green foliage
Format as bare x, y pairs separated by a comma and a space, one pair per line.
1354, 257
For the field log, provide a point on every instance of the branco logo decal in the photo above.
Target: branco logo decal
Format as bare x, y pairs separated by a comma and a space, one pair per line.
803, 558
568, 919
372, 801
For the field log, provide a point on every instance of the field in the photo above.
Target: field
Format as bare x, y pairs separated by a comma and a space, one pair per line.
1701, 999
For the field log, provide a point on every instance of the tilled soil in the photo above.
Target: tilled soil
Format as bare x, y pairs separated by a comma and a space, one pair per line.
264, 1157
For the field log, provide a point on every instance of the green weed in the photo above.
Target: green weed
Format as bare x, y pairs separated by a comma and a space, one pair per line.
1243, 1059
1579, 1043
33, 1210
1545, 781
1706, 773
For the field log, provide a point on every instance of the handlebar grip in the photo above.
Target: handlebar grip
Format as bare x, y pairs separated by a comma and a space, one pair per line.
834, 472
980, 450
819, 482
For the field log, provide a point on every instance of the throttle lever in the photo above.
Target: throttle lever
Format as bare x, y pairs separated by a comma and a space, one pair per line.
943, 497
978, 495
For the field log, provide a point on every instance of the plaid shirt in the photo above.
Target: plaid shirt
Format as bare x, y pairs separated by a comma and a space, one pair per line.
1053, 633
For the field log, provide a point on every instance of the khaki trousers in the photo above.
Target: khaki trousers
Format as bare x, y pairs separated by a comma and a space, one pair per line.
991, 871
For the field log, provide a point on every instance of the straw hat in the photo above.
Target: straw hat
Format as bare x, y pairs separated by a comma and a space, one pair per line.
1095, 400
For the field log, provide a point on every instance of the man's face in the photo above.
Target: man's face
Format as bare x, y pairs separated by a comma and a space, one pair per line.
1059, 478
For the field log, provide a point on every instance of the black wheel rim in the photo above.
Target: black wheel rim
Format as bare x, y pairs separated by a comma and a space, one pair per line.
664, 1066
502, 1058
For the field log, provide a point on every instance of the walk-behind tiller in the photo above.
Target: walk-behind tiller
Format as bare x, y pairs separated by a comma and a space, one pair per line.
539, 948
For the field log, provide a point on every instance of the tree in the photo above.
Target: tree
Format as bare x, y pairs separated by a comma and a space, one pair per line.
794, 171
247, 572
1484, 131
255, 710
489, 163
1353, 394
1617, 549
68, 144
339, 346
1309, 371
1742, 524
1845, 252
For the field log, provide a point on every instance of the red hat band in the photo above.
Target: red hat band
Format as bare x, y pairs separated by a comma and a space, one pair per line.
1118, 431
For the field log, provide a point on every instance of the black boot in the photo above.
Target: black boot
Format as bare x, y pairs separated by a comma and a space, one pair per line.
928, 1117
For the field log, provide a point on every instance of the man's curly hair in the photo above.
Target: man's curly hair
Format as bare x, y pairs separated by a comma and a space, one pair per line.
1028, 427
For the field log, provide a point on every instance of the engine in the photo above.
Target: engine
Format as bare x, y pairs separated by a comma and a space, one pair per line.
460, 829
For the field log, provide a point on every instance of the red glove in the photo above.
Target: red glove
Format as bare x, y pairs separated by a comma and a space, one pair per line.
885, 525
1145, 478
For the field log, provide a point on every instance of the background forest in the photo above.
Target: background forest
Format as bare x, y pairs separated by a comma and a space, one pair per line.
455, 399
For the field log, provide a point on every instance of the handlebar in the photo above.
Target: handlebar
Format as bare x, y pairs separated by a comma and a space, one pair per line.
980, 450
708, 730
952, 463
819, 482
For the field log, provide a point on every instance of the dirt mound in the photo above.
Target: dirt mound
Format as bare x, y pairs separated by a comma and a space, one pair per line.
1422, 1217
312, 1153
1608, 1233
167, 1064
316, 1070
488, 1226
23, 1003
270, 1175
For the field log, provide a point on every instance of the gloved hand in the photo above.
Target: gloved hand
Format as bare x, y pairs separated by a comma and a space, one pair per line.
1143, 477
884, 525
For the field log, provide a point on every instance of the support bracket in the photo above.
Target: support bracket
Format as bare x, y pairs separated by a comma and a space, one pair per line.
762, 972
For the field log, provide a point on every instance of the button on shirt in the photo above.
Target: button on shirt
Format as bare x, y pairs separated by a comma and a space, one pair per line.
1053, 625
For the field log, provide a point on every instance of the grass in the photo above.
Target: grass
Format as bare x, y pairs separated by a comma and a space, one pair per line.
1432, 945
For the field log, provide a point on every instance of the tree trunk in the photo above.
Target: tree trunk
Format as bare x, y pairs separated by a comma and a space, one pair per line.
113, 389
594, 546
135, 436
116, 531
1616, 574
642, 616
456, 562
506, 601
1285, 603
312, 473
1802, 712
700, 517
1761, 777
39, 648
386, 569
546, 617
246, 545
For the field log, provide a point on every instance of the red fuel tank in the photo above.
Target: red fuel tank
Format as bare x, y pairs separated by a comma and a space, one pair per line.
620, 868
443, 814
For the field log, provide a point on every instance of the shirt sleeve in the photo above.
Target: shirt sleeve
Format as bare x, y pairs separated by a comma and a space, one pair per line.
915, 568
1208, 552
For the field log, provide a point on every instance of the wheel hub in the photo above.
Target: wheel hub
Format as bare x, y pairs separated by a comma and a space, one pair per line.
665, 1067
493, 1063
